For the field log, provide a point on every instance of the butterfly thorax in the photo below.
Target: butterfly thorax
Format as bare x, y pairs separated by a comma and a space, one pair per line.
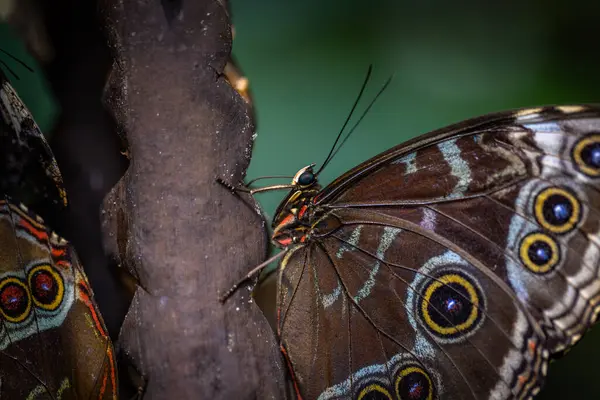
293, 222
298, 217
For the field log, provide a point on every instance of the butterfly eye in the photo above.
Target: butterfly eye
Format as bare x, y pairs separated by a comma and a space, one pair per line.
451, 306
374, 391
15, 303
413, 383
306, 178
557, 210
47, 287
586, 154
539, 253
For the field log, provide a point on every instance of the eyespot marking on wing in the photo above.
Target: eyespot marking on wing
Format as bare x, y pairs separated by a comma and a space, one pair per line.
412, 382
586, 154
557, 210
539, 253
15, 300
451, 305
47, 287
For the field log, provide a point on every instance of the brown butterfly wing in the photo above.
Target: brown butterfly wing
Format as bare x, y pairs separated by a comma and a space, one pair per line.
363, 332
53, 342
28, 170
479, 245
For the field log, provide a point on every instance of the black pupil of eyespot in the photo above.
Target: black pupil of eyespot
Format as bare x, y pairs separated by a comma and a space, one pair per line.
557, 209
591, 155
539, 252
448, 305
306, 178
414, 386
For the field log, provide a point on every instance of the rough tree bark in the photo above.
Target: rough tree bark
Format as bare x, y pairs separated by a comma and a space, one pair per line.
184, 237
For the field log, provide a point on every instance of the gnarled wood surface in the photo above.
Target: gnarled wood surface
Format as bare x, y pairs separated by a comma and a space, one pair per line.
182, 235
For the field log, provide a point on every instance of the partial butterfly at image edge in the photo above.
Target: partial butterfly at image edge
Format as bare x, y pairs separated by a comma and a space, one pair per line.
452, 266
28, 163
53, 340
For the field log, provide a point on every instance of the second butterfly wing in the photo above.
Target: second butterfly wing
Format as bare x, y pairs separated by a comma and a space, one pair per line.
53, 342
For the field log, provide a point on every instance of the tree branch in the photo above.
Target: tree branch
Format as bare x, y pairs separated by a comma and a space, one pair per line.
184, 237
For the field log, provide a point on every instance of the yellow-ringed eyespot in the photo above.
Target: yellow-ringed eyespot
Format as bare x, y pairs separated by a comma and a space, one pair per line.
413, 383
374, 391
586, 154
539, 253
47, 287
15, 301
451, 306
557, 209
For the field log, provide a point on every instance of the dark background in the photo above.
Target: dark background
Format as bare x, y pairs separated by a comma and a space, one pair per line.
306, 61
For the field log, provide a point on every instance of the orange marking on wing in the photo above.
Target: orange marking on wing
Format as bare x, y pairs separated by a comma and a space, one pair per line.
59, 252
86, 300
38, 233
24, 215
287, 360
113, 375
104, 382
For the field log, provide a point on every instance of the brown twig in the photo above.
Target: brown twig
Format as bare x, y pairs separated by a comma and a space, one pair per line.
183, 236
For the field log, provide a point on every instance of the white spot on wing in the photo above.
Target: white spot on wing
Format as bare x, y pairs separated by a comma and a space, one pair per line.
527, 114
353, 241
329, 299
409, 161
543, 127
388, 236
570, 109
428, 221
459, 168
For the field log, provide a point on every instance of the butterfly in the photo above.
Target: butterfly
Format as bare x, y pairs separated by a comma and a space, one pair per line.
53, 341
453, 266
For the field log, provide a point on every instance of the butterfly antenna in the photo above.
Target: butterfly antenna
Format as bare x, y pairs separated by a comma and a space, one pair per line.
385, 85
362, 89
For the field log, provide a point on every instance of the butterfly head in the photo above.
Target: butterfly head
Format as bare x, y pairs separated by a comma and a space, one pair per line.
305, 177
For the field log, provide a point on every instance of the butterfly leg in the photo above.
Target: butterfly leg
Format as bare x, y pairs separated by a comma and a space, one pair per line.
233, 189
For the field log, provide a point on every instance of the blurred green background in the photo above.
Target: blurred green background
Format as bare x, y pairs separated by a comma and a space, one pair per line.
31, 86
451, 61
